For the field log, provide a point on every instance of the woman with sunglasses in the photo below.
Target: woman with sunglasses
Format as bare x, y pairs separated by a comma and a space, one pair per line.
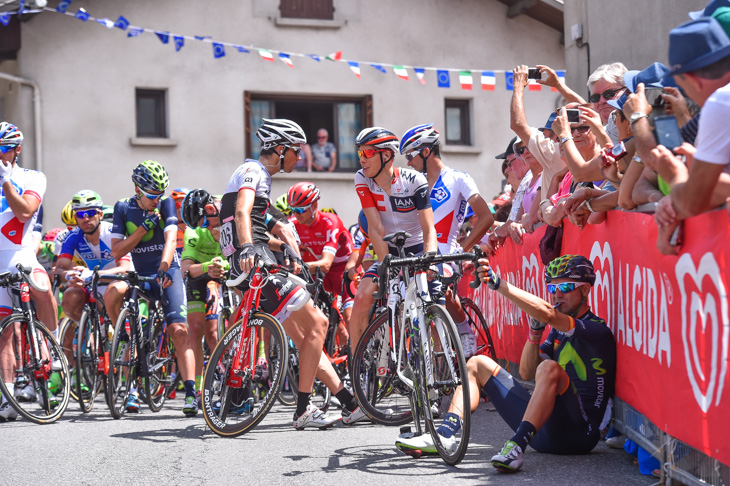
574, 369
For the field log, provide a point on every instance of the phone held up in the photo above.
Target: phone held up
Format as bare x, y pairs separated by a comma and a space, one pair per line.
666, 131
534, 73
573, 116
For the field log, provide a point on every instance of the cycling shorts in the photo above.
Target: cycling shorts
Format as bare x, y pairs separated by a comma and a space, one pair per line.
173, 301
567, 431
8, 260
203, 294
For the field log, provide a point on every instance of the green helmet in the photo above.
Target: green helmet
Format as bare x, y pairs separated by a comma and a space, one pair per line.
282, 205
107, 213
86, 199
150, 176
574, 267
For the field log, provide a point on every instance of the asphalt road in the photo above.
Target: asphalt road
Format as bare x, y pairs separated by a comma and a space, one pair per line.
168, 448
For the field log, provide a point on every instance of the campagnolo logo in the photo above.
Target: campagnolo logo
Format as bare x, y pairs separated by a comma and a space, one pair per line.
706, 306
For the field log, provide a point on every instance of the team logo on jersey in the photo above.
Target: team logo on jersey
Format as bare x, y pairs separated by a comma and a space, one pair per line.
403, 204
439, 195
18, 189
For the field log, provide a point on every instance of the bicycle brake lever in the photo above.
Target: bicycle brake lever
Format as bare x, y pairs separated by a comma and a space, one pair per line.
478, 253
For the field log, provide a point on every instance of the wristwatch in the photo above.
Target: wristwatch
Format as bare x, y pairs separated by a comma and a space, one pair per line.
637, 159
565, 139
636, 117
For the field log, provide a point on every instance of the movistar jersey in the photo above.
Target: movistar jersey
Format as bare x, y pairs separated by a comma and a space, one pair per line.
200, 246
77, 247
448, 200
128, 216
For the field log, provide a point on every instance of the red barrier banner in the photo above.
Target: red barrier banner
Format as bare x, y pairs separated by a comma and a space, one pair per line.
669, 316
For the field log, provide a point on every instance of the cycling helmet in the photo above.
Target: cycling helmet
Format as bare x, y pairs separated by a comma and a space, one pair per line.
52, 234
377, 137
302, 194
418, 137
574, 267
279, 131
150, 176
67, 215
282, 205
178, 194
329, 210
10, 135
107, 213
193, 206
86, 199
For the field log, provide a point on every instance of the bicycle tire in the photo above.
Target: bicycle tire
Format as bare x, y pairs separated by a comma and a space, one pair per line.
87, 360
39, 411
448, 366
231, 418
384, 398
287, 396
159, 362
68, 343
485, 345
122, 366
223, 317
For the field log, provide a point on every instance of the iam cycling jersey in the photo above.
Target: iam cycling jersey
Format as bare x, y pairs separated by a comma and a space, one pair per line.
326, 234
398, 212
15, 235
78, 248
249, 176
449, 198
128, 216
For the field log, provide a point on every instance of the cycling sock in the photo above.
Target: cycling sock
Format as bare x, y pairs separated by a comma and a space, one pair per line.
464, 327
54, 333
11, 390
198, 382
347, 400
189, 388
450, 425
524, 434
302, 402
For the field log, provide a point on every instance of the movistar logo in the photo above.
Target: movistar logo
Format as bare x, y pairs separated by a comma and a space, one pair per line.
569, 355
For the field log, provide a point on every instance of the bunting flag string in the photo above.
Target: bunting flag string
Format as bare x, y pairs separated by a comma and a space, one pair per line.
443, 75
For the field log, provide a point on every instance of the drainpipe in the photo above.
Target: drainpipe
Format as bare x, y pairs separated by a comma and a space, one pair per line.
36, 114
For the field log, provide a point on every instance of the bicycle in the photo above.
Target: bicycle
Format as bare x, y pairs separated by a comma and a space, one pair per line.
231, 406
478, 324
39, 361
141, 351
422, 350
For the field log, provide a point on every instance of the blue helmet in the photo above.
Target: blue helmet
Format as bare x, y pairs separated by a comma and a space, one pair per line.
418, 137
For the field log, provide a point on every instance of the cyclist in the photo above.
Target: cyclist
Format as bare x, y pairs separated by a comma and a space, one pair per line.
90, 243
243, 235
325, 243
393, 199
22, 193
451, 190
178, 195
282, 204
146, 226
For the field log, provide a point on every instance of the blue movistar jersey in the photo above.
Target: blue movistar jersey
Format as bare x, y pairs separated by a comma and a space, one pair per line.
128, 216
76, 247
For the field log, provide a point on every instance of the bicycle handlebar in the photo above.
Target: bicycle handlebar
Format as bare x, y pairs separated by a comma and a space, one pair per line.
7, 279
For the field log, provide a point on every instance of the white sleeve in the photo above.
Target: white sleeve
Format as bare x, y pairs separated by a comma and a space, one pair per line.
713, 143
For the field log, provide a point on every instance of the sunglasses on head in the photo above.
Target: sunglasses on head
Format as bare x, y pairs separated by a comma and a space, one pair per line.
300, 210
564, 287
150, 195
4, 149
367, 153
581, 129
86, 213
609, 94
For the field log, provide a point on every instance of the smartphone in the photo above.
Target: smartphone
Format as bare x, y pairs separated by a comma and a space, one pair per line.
654, 97
573, 115
534, 73
618, 151
666, 131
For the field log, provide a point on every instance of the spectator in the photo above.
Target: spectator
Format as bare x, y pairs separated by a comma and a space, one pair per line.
530, 202
579, 143
606, 83
324, 153
519, 176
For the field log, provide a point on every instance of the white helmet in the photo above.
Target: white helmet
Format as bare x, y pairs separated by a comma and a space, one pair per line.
9, 134
419, 136
279, 131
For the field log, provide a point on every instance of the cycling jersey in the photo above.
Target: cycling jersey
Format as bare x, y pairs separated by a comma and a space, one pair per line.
15, 235
250, 176
200, 246
326, 234
77, 247
449, 198
128, 216
408, 194
59, 240
180, 241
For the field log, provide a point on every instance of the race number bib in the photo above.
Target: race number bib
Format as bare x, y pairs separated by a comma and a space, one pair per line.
226, 240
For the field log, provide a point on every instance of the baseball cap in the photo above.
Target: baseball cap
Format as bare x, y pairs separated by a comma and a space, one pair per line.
709, 9
619, 102
549, 122
655, 75
697, 44
510, 150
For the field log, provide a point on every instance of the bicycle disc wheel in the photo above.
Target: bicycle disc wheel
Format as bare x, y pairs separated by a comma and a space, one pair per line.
67, 339
86, 378
379, 391
446, 360
122, 366
478, 324
232, 411
159, 362
42, 390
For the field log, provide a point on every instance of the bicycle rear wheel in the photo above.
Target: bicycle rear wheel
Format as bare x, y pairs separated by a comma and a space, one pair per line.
160, 359
290, 387
122, 365
445, 358
379, 391
87, 379
478, 324
42, 390
232, 411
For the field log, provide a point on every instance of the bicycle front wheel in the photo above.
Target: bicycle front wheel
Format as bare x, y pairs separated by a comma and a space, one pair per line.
379, 391
87, 379
122, 365
445, 358
231, 411
42, 386
160, 360
478, 325
67, 339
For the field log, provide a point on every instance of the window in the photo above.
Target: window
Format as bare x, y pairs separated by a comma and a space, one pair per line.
151, 113
342, 117
307, 9
458, 126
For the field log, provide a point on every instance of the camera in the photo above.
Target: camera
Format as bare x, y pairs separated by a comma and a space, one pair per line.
666, 131
534, 73
657, 102
573, 116
618, 151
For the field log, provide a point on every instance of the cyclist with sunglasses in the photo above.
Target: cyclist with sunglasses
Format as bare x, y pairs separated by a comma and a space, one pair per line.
177, 195
146, 227
574, 370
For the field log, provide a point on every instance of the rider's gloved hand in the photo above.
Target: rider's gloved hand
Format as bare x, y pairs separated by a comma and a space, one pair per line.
5, 169
163, 276
152, 220
487, 275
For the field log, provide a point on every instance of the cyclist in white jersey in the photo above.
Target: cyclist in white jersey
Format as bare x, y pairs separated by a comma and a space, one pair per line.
393, 199
22, 193
451, 190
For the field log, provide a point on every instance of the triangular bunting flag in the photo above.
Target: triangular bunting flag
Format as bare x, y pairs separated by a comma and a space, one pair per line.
419, 74
134, 31
266, 55
335, 56
401, 72
561, 77
241, 49
465, 79
379, 68
534, 86
21, 6
508, 82
355, 68
82, 15
121, 23
4, 19
489, 80
202, 37
218, 50
63, 6
286, 59
164, 36
106, 23
315, 57
179, 42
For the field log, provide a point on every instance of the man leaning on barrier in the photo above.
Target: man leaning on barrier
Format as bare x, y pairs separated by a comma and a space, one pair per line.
574, 370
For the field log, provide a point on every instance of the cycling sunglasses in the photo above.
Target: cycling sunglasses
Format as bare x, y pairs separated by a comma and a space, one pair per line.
367, 153
581, 129
86, 213
609, 94
296, 150
301, 210
4, 149
564, 287
151, 196
412, 155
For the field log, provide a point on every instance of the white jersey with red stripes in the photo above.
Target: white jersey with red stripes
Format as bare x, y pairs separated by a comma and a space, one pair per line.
15, 235
449, 198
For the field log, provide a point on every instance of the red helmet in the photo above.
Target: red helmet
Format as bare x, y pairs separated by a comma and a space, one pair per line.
302, 194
